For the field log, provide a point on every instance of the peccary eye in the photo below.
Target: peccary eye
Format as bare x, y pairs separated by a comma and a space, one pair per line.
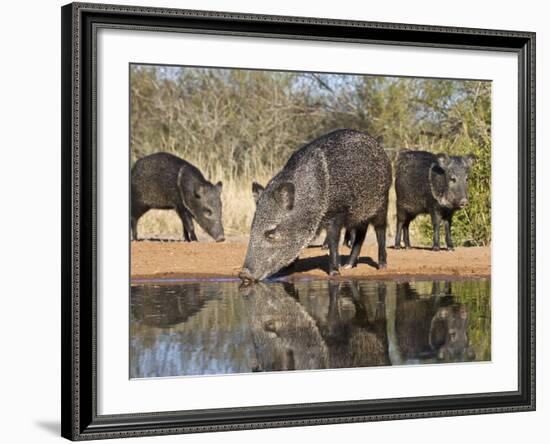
208, 213
453, 179
272, 235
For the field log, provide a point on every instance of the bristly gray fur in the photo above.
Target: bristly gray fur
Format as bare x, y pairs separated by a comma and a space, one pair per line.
164, 181
340, 180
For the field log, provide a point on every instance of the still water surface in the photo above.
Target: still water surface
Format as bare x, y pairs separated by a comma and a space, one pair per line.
218, 328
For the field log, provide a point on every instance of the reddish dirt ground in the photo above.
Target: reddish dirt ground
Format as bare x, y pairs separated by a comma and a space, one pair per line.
154, 259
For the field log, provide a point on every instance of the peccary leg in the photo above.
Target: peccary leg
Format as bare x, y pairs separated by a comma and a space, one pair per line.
381, 239
448, 238
436, 223
332, 315
333, 237
403, 222
349, 238
398, 230
188, 225
133, 228
358, 240
406, 238
325, 243
380, 312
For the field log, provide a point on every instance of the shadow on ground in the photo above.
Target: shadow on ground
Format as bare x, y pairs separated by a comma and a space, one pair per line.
304, 265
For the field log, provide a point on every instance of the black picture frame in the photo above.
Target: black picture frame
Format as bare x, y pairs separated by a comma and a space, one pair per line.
80, 22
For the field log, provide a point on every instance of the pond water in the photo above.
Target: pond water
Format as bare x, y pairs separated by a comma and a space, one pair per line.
218, 327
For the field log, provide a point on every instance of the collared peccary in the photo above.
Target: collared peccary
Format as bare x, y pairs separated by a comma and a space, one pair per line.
340, 180
435, 184
166, 182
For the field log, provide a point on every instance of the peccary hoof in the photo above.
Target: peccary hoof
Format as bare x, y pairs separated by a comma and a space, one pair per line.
450, 248
382, 266
334, 273
435, 248
397, 247
324, 246
347, 266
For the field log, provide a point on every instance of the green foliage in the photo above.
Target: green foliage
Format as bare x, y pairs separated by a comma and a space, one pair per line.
471, 134
242, 125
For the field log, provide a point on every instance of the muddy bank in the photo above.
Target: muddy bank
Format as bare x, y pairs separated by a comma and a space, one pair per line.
153, 259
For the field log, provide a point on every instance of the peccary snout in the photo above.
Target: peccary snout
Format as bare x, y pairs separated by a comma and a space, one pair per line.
246, 276
203, 201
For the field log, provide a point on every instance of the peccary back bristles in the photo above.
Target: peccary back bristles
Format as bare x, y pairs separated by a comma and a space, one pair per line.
340, 180
164, 181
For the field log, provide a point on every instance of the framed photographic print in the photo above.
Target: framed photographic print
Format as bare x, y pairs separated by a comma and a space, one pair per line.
278, 221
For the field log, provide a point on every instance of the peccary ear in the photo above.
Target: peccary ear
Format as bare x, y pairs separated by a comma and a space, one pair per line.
470, 159
443, 160
284, 195
257, 190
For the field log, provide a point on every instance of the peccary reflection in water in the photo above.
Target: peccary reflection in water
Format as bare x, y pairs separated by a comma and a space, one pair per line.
433, 327
219, 327
362, 340
285, 336
291, 335
168, 305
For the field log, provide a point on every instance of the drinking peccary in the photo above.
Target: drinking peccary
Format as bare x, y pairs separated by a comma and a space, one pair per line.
340, 180
166, 182
430, 183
